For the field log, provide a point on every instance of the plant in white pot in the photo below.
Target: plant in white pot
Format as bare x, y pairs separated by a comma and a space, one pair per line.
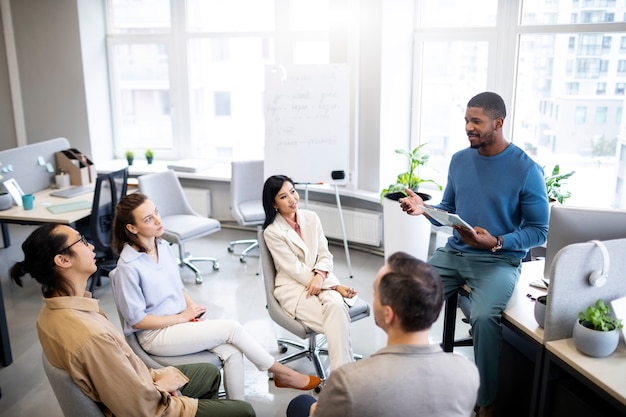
409, 179
410, 234
596, 332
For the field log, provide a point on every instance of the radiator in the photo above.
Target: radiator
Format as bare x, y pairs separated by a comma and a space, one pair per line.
362, 226
199, 199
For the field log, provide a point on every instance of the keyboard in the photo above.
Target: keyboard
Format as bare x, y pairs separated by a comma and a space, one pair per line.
73, 206
72, 191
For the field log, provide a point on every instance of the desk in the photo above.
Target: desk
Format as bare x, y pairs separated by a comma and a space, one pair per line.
40, 213
605, 377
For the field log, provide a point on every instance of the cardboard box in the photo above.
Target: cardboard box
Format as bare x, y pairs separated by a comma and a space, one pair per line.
80, 169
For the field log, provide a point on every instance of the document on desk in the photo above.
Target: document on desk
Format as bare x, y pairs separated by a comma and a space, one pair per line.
445, 218
619, 309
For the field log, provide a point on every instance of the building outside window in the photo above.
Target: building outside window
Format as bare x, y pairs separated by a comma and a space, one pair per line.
552, 72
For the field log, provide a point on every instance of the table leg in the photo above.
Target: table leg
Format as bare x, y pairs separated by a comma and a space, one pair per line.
5, 235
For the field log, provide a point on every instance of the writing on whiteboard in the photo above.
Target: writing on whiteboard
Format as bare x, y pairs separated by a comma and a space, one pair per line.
306, 121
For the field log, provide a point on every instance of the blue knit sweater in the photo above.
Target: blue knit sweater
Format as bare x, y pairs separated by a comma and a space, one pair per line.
504, 194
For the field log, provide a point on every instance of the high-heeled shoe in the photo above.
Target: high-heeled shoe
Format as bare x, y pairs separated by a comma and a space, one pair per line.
314, 382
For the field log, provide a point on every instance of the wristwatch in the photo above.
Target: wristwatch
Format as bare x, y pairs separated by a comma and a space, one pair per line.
498, 244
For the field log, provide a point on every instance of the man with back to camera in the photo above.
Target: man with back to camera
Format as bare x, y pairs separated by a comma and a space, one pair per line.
410, 376
497, 188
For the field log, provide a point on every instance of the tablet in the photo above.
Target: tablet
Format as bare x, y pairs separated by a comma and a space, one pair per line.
445, 218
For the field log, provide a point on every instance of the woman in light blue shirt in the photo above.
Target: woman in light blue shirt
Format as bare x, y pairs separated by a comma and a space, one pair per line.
153, 301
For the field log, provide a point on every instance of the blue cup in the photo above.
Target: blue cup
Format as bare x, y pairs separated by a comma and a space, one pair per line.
28, 201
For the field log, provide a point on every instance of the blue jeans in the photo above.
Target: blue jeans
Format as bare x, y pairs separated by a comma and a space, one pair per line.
492, 278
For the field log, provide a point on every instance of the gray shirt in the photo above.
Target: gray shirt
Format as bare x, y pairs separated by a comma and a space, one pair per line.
402, 380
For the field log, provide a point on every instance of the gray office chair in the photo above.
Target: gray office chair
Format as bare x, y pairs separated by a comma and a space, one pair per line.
246, 204
180, 221
155, 361
316, 341
72, 400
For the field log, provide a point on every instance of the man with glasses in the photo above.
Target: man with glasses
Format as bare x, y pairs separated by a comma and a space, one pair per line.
77, 337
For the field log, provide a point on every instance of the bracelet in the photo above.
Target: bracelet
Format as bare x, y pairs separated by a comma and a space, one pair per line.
498, 244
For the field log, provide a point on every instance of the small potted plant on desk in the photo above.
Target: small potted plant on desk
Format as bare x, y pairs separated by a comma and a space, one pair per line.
596, 332
130, 157
149, 156
410, 234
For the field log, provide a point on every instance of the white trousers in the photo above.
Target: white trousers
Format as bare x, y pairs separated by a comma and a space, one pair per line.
226, 338
327, 313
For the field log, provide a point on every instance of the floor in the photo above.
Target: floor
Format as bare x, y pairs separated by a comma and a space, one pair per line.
235, 291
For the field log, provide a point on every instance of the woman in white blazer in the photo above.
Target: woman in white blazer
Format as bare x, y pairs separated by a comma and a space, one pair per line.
305, 286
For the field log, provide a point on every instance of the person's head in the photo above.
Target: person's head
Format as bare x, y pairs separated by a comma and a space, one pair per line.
136, 217
484, 118
279, 196
410, 290
55, 254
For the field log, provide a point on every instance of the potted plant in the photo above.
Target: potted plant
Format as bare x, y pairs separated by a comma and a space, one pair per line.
540, 310
596, 332
554, 183
130, 156
149, 155
409, 179
410, 234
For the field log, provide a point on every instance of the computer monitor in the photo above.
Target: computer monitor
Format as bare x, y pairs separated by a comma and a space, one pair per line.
570, 225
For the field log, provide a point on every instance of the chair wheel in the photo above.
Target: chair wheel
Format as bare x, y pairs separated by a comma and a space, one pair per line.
242, 260
318, 389
231, 250
282, 348
199, 279
216, 266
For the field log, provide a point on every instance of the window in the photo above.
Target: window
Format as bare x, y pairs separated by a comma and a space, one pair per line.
561, 101
621, 65
571, 88
187, 77
601, 114
619, 89
580, 116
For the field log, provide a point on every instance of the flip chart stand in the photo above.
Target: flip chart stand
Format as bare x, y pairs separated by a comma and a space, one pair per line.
343, 226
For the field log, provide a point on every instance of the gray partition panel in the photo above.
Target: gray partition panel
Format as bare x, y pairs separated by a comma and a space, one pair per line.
570, 291
26, 167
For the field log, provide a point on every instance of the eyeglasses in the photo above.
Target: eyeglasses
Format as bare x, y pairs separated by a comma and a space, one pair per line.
81, 239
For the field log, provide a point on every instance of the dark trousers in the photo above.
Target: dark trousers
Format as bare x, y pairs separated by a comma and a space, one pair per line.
204, 384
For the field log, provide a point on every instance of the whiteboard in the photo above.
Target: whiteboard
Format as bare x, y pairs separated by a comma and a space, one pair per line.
306, 110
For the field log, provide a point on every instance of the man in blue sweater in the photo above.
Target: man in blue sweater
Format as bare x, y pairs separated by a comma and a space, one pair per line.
498, 189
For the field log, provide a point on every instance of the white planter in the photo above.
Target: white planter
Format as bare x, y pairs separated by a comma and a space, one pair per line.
402, 232
594, 342
540, 312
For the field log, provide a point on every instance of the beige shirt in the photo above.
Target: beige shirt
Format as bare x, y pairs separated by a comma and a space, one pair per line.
76, 336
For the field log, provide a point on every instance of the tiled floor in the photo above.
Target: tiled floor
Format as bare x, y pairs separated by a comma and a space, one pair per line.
235, 291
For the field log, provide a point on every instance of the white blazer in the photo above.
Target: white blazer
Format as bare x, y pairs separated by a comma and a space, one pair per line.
296, 258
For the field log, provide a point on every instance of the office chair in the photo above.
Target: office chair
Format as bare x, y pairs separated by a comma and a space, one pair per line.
155, 361
316, 341
109, 188
246, 204
72, 400
180, 221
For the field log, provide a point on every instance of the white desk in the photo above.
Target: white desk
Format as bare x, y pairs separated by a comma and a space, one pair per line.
40, 213
605, 376
519, 311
